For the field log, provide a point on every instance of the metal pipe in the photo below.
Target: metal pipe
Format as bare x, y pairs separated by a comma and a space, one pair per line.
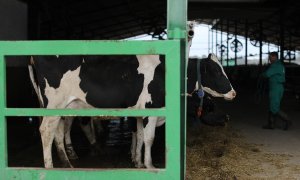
212, 40
260, 42
176, 28
235, 36
227, 48
246, 42
221, 41
290, 48
282, 33
216, 39
208, 40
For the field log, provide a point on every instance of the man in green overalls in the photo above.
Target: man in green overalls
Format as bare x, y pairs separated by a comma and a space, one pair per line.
276, 75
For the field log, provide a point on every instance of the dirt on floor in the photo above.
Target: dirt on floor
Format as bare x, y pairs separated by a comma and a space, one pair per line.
242, 149
222, 153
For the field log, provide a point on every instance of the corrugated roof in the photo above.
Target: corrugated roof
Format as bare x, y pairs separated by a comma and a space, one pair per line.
119, 19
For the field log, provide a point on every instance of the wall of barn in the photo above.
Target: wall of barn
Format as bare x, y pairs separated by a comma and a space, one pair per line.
13, 24
13, 19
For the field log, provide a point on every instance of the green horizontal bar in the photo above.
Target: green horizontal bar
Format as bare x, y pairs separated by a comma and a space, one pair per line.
85, 47
83, 174
83, 112
170, 48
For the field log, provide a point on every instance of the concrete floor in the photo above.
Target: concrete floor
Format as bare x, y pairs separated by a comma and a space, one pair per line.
247, 117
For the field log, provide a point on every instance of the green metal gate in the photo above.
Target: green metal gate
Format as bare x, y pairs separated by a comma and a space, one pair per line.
174, 50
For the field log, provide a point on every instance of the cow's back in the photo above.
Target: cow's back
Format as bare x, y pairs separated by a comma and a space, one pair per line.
107, 81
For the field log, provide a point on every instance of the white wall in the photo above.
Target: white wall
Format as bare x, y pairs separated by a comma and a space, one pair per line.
13, 20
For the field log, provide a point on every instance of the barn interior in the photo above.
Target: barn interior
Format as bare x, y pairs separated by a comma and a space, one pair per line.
260, 22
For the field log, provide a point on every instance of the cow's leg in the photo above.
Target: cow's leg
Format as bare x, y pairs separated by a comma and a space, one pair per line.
75, 104
149, 133
97, 124
90, 134
139, 144
59, 142
133, 146
68, 121
133, 129
47, 130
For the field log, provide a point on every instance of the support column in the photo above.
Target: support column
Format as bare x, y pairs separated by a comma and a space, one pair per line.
221, 41
282, 33
3, 125
235, 36
290, 48
246, 42
260, 42
208, 43
216, 39
227, 49
212, 40
177, 19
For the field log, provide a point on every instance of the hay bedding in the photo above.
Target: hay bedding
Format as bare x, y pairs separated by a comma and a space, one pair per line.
215, 153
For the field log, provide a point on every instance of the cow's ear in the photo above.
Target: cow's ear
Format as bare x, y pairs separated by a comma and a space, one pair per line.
213, 57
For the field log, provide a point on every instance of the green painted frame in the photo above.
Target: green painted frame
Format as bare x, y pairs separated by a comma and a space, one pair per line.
172, 51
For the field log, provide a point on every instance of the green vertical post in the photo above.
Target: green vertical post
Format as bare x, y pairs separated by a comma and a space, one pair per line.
3, 140
177, 20
173, 123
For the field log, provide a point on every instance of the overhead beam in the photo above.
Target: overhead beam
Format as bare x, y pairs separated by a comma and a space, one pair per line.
215, 10
228, 1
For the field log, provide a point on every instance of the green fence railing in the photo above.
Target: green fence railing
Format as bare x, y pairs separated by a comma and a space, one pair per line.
169, 48
174, 50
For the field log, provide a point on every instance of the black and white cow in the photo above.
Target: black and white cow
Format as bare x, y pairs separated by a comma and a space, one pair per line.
113, 82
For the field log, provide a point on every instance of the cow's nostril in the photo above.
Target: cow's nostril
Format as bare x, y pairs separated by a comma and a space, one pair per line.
233, 93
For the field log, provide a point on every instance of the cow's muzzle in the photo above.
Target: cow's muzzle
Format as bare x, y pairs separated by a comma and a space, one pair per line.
230, 95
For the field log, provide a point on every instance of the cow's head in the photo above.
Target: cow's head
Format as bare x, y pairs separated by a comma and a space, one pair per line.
214, 79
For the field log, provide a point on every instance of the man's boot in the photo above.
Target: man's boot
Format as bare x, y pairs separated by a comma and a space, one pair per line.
271, 120
285, 119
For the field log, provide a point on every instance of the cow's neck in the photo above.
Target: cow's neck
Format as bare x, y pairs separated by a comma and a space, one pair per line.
192, 75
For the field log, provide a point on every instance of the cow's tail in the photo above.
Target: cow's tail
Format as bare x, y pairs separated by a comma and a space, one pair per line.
35, 84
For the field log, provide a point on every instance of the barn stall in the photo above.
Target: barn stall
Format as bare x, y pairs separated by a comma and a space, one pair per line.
260, 21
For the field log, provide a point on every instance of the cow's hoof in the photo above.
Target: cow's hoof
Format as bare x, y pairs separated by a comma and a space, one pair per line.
133, 159
139, 165
73, 156
70, 152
